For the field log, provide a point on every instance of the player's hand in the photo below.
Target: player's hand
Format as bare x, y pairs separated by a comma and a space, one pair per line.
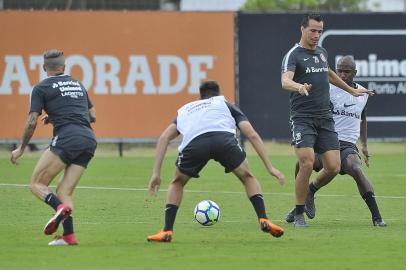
45, 119
304, 89
366, 156
357, 92
276, 173
16, 154
154, 184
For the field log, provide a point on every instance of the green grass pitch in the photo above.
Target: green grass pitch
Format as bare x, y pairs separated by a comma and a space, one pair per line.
114, 214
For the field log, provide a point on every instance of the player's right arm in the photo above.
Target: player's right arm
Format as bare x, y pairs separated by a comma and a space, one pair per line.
166, 137
288, 72
36, 106
249, 132
29, 129
290, 85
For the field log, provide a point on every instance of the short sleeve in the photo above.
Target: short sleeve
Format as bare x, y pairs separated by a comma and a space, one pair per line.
289, 62
236, 113
37, 102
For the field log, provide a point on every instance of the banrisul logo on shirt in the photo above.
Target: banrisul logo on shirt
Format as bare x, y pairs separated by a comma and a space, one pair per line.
316, 69
69, 88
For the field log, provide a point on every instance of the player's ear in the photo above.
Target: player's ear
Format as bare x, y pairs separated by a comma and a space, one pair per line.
44, 68
355, 72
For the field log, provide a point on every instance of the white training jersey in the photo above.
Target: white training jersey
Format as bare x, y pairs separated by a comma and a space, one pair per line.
202, 116
347, 111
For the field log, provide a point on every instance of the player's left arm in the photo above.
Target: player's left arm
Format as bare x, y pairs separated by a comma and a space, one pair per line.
92, 114
363, 136
337, 81
29, 129
91, 108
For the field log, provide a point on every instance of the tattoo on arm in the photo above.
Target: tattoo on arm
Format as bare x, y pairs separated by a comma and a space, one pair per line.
29, 129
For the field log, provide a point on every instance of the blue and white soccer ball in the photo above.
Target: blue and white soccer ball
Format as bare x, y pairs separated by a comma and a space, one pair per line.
207, 212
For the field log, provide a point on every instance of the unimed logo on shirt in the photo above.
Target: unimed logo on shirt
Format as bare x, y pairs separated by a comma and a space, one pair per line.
105, 74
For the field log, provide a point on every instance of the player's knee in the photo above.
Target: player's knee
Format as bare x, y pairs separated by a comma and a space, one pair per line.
178, 181
246, 176
306, 165
356, 171
35, 188
333, 170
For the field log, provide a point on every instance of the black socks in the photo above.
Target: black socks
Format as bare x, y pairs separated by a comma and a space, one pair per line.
67, 226
52, 201
258, 202
299, 209
312, 188
369, 199
170, 215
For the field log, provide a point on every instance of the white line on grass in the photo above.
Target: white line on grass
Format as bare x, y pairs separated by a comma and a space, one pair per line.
203, 191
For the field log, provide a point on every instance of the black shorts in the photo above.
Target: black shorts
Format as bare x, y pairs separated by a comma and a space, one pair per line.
346, 148
77, 150
317, 133
223, 147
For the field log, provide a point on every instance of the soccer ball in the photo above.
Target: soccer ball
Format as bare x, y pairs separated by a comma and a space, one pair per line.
207, 212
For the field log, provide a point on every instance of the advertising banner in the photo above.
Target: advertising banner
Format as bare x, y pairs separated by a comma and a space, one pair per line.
138, 67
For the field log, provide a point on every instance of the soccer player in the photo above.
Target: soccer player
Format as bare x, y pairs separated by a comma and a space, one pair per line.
349, 115
69, 109
208, 127
306, 75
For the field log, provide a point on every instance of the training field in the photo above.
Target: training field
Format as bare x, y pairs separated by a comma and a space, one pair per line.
114, 214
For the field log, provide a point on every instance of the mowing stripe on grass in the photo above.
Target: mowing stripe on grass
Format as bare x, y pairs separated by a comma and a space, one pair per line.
203, 191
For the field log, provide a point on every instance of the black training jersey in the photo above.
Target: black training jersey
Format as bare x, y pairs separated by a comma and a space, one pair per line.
64, 99
309, 66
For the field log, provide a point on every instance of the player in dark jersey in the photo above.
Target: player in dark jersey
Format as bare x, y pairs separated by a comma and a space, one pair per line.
208, 127
306, 74
350, 124
69, 109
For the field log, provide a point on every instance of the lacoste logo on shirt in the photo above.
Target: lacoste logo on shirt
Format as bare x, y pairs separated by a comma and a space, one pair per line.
348, 105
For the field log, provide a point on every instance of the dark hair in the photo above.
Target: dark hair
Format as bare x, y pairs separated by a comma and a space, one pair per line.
209, 89
54, 58
311, 16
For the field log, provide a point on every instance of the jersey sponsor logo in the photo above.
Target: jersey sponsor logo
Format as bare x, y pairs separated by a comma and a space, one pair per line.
345, 113
104, 74
348, 105
70, 88
316, 70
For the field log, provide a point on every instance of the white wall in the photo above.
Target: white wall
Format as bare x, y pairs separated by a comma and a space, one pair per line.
211, 5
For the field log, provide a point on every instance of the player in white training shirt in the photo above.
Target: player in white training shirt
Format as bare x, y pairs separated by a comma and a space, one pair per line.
208, 127
349, 115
